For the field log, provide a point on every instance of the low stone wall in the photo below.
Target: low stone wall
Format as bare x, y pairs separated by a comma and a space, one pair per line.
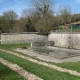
13, 38
67, 40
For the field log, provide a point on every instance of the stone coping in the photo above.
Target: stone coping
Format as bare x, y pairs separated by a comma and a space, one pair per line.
20, 33
64, 49
64, 32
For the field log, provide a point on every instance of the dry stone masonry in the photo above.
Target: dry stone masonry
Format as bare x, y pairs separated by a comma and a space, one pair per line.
58, 39
13, 38
65, 39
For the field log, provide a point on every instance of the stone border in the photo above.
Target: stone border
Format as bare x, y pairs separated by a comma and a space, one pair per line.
26, 75
64, 32
20, 33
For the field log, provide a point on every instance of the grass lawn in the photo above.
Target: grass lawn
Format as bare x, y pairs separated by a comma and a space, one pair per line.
68, 65
13, 46
39, 70
8, 74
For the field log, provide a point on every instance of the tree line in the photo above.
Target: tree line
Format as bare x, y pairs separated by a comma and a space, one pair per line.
41, 18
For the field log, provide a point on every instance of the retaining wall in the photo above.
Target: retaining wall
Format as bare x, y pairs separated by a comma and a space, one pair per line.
65, 39
13, 38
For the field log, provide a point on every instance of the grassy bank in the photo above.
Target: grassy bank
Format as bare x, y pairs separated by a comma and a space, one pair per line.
39, 70
8, 74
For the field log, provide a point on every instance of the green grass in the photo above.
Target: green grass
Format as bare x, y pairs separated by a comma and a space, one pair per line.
13, 46
10, 47
68, 65
8, 74
39, 70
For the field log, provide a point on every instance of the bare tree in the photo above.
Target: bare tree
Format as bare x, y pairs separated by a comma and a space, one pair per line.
27, 13
65, 12
75, 17
43, 6
44, 12
10, 18
46, 24
10, 15
20, 25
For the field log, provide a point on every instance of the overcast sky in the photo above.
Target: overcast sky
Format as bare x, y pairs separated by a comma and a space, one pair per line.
19, 5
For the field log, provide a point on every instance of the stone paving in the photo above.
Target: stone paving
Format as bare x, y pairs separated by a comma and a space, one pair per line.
37, 55
49, 58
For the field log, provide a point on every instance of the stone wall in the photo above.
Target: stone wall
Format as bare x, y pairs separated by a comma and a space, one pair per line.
67, 40
13, 38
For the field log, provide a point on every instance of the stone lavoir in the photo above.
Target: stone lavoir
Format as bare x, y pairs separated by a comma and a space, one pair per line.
65, 39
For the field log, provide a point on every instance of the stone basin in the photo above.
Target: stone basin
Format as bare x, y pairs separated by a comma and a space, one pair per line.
60, 54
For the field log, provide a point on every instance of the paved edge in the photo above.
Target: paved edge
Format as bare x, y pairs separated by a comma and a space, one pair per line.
72, 72
26, 75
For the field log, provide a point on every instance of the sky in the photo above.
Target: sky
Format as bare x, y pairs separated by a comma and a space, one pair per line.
19, 5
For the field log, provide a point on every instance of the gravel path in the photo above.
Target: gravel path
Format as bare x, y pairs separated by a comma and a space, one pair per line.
26, 75
44, 63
